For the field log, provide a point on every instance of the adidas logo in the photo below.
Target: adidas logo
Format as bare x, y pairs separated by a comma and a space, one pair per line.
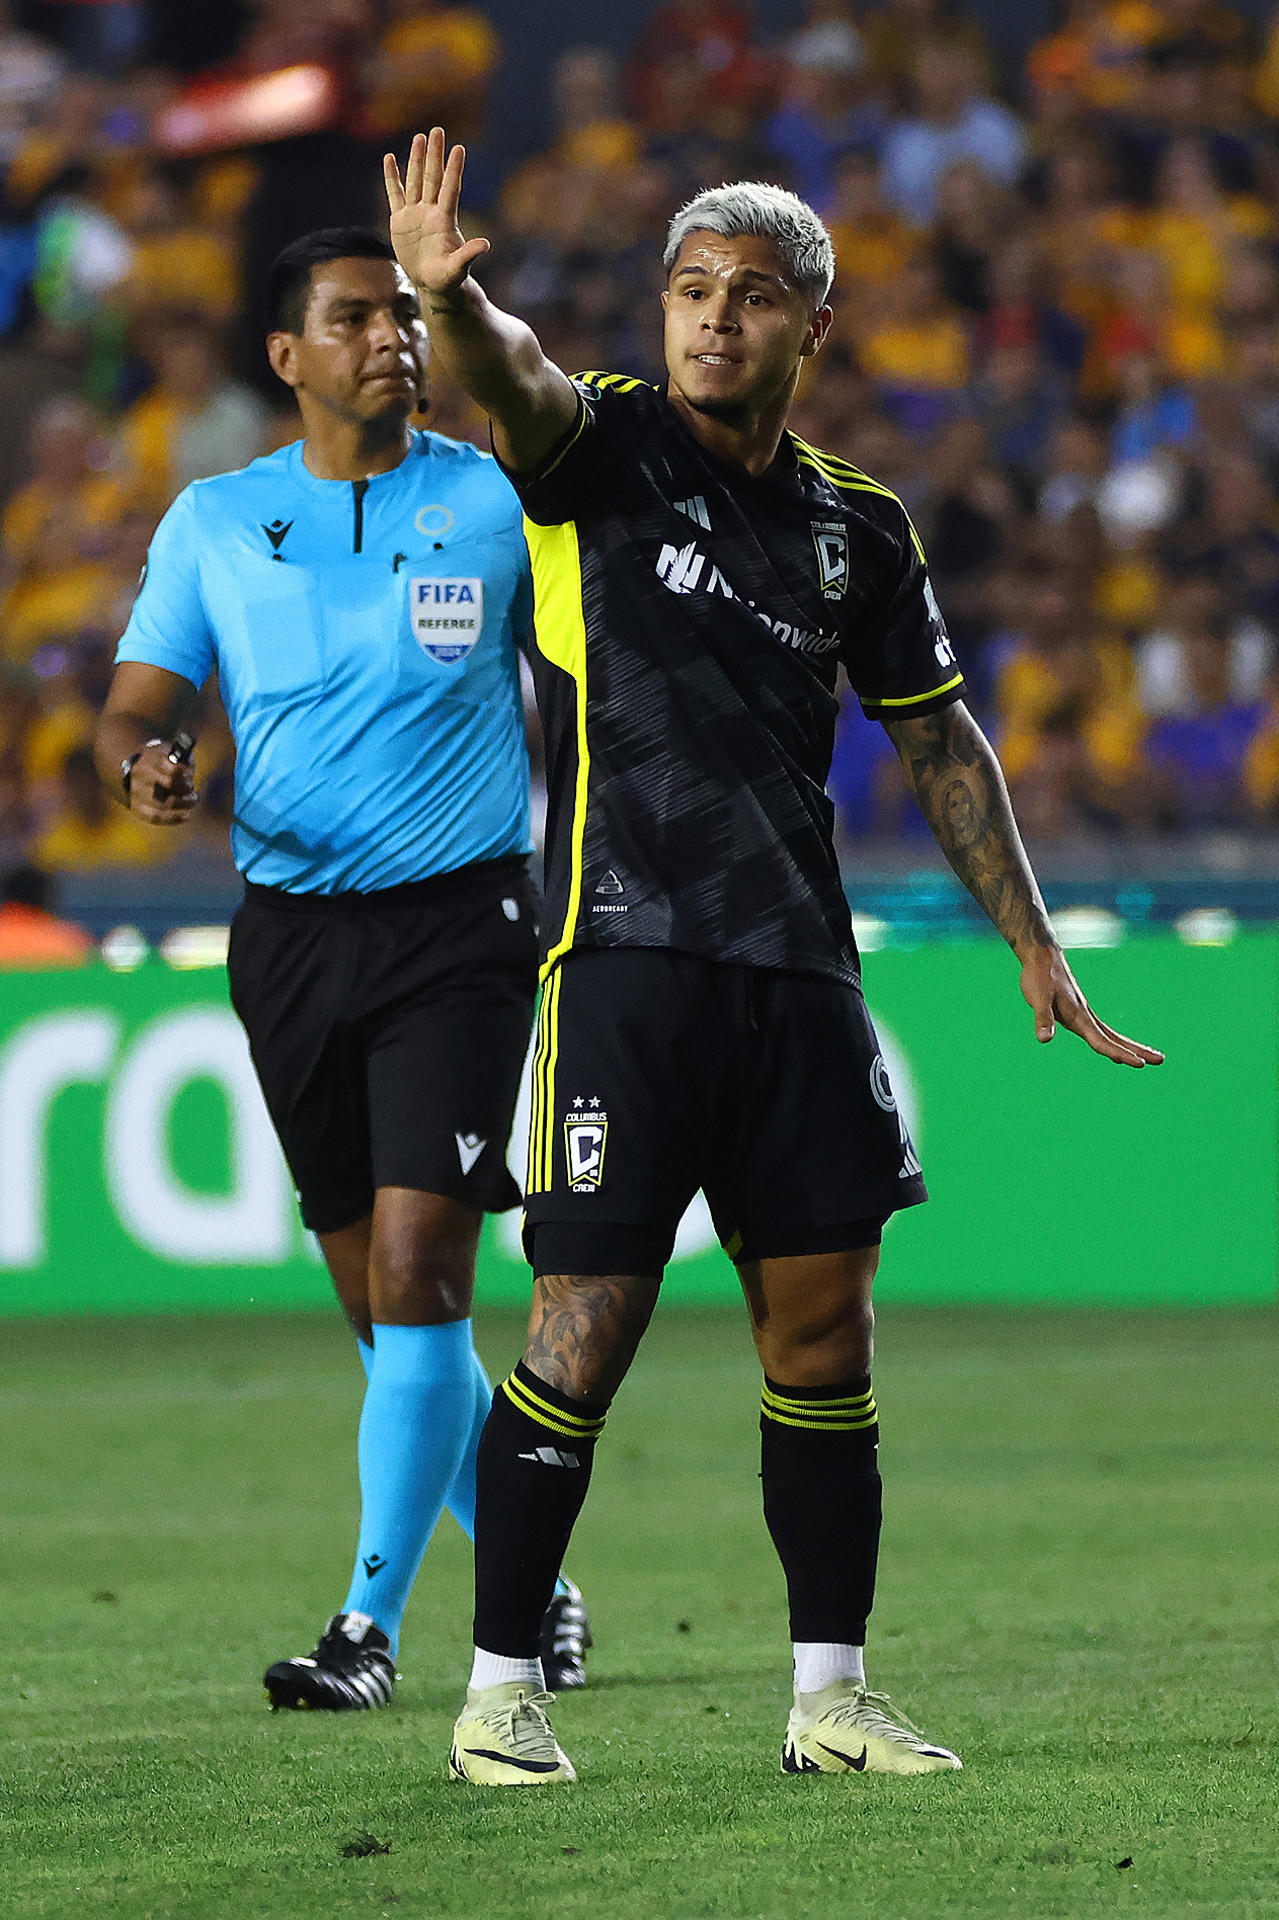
552, 1457
694, 509
685, 570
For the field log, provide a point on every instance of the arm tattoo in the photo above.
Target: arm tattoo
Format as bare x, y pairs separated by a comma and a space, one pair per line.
960, 788
583, 1332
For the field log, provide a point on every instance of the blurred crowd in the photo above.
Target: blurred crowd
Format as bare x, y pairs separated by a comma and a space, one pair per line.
1056, 337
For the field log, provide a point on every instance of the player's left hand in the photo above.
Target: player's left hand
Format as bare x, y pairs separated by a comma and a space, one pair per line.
1050, 989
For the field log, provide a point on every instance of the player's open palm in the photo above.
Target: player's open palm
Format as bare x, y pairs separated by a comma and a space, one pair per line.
429, 244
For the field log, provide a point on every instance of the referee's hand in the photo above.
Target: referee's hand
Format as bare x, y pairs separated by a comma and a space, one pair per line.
1050, 989
161, 788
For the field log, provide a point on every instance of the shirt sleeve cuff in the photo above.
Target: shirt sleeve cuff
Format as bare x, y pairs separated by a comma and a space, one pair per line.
912, 704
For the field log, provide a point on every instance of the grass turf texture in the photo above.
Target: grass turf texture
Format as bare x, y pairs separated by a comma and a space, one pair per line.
1078, 1591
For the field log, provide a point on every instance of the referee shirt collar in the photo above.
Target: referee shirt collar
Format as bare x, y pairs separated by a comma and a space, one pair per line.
419, 448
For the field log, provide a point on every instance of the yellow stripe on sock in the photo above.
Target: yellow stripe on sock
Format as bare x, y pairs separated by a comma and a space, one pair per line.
821, 1426
577, 1427
787, 1403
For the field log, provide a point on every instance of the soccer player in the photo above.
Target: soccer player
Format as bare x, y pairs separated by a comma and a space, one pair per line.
699, 576
361, 594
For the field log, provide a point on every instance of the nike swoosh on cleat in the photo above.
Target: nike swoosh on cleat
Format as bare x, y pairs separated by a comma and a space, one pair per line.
509, 1760
795, 1762
858, 1765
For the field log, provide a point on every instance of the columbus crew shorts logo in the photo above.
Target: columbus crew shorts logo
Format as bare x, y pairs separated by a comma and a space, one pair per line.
585, 1137
880, 1085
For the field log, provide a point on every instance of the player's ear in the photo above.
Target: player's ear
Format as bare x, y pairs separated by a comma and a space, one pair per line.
818, 328
282, 353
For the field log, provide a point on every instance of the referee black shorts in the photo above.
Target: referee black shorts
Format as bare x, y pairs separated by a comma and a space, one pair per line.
658, 1073
388, 1031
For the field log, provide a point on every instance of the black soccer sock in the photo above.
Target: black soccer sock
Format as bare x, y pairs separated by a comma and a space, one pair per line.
532, 1472
818, 1449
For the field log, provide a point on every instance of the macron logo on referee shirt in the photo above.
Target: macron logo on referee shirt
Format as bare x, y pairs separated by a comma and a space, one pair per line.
275, 534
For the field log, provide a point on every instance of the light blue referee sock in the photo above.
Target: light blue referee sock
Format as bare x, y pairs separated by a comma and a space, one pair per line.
461, 1495
461, 1500
416, 1425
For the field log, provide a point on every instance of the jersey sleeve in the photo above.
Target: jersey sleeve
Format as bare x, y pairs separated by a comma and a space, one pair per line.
899, 658
575, 475
169, 626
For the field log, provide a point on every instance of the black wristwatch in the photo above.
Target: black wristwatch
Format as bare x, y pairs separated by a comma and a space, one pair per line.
129, 762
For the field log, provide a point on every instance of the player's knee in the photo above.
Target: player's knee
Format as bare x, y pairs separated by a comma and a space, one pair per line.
820, 1348
418, 1282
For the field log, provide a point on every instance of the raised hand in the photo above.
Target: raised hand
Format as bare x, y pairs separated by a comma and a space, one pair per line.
1052, 992
428, 242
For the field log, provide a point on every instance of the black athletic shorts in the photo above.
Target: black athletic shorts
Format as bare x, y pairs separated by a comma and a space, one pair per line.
656, 1073
389, 1032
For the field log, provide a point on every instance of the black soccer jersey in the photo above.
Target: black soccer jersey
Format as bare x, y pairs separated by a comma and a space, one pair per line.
690, 621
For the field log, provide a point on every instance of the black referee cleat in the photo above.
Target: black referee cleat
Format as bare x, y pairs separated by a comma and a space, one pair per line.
566, 1634
351, 1669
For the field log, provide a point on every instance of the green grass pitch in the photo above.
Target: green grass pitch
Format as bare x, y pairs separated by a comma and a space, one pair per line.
1079, 1591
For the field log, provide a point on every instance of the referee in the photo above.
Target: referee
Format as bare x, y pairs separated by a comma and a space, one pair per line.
361, 595
700, 575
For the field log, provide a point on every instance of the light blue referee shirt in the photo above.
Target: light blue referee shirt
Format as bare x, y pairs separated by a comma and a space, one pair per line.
364, 635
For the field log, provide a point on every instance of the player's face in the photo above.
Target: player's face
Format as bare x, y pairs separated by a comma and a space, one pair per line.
737, 326
362, 352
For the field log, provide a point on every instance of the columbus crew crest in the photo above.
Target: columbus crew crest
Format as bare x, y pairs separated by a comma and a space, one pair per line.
585, 1137
830, 537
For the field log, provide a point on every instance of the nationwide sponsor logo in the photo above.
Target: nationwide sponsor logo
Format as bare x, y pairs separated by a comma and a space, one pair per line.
686, 570
448, 617
830, 537
585, 1137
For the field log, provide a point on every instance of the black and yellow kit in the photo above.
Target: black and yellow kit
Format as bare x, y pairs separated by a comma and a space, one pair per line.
690, 622
702, 1023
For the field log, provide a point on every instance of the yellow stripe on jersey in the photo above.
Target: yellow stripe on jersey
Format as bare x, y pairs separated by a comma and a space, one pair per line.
915, 699
533, 1178
560, 625
547, 1170
619, 382
541, 1133
582, 417
852, 480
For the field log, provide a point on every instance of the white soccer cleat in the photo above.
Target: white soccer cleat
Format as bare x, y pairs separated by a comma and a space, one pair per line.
845, 1729
503, 1739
